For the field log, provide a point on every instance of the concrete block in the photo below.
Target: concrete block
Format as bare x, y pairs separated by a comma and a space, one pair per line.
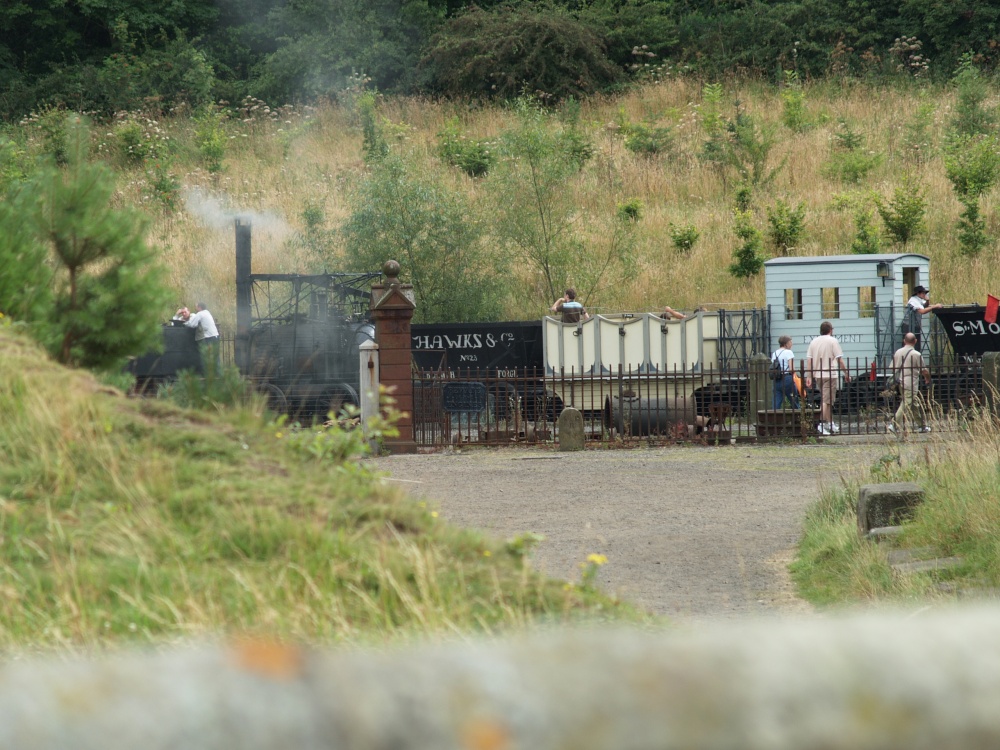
886, 504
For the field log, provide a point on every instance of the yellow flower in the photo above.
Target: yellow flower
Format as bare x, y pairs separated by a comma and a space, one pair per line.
434, 514
486, 553
279, 435
567, 587
596, 559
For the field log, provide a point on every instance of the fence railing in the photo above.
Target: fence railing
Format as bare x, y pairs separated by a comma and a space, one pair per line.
706, 406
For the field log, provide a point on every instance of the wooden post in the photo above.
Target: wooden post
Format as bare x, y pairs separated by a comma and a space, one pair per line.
392, 308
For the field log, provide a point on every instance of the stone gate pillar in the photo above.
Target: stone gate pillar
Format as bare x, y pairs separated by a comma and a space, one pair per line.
392, 308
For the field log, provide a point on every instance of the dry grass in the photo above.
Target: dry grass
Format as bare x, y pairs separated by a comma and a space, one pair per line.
276, 169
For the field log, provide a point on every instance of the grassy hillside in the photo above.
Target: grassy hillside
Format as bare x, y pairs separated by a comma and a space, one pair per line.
291, 169
134, 520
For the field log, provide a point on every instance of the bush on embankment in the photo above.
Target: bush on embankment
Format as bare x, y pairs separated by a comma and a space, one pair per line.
959, 517
125, 520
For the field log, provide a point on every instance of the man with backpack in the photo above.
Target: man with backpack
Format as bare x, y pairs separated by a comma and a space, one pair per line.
907, 364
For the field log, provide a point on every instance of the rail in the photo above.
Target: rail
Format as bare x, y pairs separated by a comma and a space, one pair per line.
631, 407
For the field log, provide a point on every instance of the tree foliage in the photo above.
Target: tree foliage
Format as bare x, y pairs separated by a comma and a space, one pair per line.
536, 215
323, 43
25, 283
111, 54
903, 213
540, 50
400, 215
108, 294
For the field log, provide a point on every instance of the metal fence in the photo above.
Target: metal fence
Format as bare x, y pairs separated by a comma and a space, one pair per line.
743, 333
712, 407
888, 319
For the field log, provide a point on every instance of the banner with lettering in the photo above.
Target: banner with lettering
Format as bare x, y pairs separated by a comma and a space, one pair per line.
968, 332
503, 350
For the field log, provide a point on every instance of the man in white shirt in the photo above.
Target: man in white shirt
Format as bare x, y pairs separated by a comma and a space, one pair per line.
206, 334
824, 363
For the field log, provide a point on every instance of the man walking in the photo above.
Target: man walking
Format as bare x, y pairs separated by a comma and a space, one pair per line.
824, 363
907, 364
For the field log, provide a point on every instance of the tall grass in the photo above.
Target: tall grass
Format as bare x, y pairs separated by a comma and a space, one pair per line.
126, 520
274, 168
959, 517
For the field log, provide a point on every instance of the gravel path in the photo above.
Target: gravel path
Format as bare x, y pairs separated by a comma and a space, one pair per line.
691, 532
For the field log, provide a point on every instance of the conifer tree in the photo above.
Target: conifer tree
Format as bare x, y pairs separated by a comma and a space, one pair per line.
108, 295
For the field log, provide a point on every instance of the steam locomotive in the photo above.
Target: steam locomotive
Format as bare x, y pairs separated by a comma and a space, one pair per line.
297, 337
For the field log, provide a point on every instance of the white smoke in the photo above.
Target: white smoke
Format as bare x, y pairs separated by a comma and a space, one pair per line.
213, 212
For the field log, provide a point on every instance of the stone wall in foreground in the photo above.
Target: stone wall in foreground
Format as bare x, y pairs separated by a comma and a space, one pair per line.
867, 681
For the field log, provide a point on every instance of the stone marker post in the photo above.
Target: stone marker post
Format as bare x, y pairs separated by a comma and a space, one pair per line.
392, 307
571, 437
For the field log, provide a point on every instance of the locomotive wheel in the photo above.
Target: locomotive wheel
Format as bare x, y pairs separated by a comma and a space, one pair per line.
276, 400
330, 404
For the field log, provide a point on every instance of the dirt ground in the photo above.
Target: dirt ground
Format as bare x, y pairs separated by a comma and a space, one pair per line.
691, 532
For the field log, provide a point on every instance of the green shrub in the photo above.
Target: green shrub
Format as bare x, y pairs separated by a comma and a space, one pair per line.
786, 226
972, 164
683, 237
867, 239
138, 139
972, 235
210, 137
431, 232
630, 210
972, 116
748, 261
847, 138
110, 301
793, 104
647, 140
53, 124
474, 157
903, 214
158, 78
219, 388
850, 166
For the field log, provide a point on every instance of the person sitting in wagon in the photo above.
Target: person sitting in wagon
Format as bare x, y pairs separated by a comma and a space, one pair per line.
572, 311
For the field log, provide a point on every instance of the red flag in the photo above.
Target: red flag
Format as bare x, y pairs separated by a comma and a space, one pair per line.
991, 308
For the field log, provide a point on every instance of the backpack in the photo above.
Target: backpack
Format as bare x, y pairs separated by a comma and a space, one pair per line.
774, 372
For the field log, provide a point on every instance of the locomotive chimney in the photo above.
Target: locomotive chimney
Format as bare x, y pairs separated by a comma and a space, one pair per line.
243, 285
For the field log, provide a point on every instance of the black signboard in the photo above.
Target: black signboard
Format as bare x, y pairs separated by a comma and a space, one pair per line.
969, 334
503, 350
180, 352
